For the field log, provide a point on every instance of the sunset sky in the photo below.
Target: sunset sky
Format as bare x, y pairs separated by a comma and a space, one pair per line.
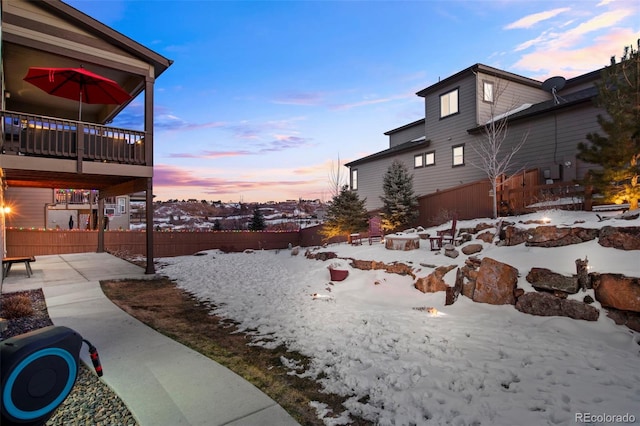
264, 97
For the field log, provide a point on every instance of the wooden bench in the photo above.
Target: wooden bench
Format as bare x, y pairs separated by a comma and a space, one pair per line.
7, 263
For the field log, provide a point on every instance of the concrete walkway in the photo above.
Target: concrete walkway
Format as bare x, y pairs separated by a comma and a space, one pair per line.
161, 381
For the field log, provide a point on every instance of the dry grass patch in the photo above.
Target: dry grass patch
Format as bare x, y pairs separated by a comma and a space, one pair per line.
178, 315
16, 306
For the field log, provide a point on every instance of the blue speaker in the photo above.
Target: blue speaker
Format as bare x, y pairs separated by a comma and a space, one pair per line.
39, 370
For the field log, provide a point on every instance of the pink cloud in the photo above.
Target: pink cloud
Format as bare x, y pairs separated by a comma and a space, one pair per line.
211, 154
171, 181
300, 98
531, 20
571, 62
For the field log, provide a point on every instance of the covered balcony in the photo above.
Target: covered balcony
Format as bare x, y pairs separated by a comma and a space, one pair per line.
53, 141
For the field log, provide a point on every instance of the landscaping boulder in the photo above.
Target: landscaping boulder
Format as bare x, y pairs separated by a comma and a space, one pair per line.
452, 293
552, 236
487, 237
323, 255
399, 268
470, 271
479, 227
468, 288
620, 238
617, 291
450, 251
473, 262
495, 283
517, 293
514, 235
629, 319
545, 304
393, 268
464, 237
548, 236
471, 249
434, 281
545, 279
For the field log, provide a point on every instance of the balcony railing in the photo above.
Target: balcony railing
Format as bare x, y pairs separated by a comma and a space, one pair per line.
27, 134
81, 196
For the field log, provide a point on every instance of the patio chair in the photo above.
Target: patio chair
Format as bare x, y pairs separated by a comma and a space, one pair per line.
448, 235
375, 229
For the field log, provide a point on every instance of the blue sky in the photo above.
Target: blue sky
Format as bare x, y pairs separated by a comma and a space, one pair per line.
265, 96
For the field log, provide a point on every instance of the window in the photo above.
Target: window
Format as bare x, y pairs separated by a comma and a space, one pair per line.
458, 155
122, 205
418, 161
430, 158
449, 103
354, 179
487, 88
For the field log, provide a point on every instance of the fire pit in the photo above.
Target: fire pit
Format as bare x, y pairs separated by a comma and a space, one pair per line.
402, 242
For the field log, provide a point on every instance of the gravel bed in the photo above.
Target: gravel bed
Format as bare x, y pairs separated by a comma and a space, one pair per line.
91, 401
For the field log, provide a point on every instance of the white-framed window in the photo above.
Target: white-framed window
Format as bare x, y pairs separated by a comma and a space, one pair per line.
458, 155
354, 179
122, 205
487, 91
418, 161
430, 158
449, 103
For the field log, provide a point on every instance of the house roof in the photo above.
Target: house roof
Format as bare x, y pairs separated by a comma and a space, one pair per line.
30, 37
505, 75
584, 78
546, 107
566, 100
90, 24
420, 142
406, 126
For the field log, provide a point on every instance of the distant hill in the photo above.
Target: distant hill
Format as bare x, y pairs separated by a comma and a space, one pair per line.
201, 215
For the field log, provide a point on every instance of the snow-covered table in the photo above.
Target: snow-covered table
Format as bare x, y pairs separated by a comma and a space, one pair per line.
402, 242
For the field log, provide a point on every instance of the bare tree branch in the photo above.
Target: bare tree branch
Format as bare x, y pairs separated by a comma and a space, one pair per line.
336, 179
494, 158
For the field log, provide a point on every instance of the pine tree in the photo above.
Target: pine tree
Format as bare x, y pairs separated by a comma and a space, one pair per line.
618, 153
346, 214
400, 204
257, 221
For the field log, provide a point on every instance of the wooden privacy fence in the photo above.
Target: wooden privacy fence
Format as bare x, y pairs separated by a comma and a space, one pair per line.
562, 195
38, 242
522, 193
518, 194
468, 201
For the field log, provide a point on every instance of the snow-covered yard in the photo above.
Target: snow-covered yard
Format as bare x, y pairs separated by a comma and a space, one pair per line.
370, 337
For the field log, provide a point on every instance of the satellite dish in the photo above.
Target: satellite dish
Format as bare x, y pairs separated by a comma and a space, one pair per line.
552, 85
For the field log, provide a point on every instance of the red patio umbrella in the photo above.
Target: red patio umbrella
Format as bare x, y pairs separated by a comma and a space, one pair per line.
77, 84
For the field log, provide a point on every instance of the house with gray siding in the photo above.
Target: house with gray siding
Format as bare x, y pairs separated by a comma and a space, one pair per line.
441, 149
